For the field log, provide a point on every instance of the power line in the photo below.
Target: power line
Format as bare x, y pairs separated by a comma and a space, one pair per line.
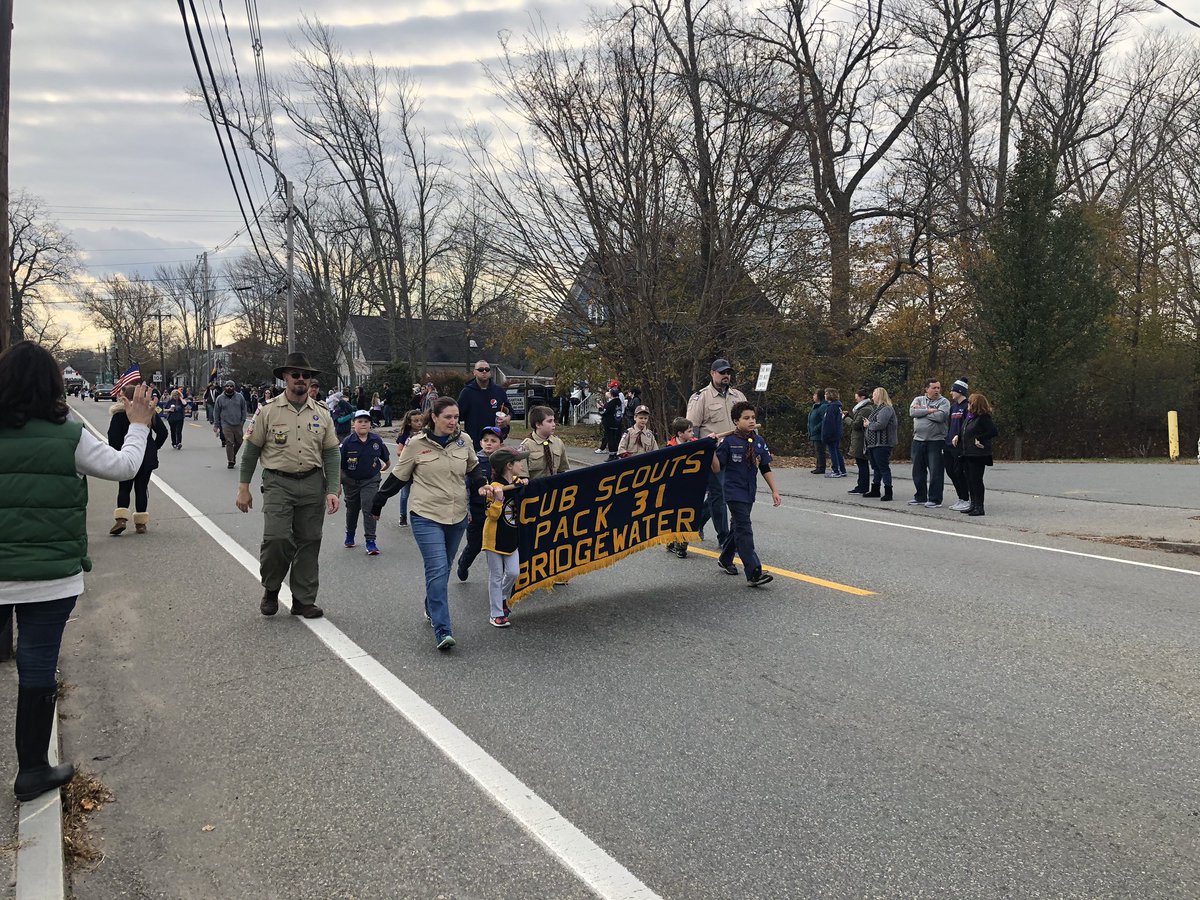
245, 103
1176, 12
216, 128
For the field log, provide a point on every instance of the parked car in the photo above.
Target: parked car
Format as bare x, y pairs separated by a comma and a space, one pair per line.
103, 392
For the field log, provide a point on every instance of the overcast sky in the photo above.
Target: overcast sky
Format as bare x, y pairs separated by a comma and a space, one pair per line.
103, 132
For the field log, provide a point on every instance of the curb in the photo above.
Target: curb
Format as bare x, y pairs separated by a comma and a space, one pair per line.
40, 872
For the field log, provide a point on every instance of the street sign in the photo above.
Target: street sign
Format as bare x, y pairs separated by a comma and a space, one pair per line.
158, 377
764, 375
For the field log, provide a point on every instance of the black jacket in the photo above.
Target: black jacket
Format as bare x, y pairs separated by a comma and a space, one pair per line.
981, 429
477, 408
118, 425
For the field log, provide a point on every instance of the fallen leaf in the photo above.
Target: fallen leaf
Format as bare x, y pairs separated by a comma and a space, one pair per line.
208, 828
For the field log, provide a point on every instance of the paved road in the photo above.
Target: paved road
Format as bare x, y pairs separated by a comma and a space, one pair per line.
996, 719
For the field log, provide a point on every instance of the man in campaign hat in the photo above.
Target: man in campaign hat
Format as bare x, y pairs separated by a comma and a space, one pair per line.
294, 436
709, 411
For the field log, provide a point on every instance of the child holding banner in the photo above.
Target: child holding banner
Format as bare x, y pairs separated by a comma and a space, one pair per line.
742, 454
500, 530
489, 442
547, 453
639, 438
682, 429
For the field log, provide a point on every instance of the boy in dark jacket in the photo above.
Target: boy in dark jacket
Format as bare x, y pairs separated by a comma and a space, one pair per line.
489, 441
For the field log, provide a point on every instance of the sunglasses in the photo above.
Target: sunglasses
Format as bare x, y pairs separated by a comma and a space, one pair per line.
300, 375
484, 369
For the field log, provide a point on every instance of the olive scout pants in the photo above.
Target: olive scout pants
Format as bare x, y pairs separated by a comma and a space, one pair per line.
293, 513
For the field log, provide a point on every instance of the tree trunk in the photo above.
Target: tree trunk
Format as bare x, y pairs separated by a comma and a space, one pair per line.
1018, 444
837, 231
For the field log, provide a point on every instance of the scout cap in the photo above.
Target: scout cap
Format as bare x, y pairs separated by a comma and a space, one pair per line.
721, 365
361, 414
642, 409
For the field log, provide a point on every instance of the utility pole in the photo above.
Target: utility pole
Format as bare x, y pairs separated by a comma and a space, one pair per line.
204, 338
162, 357
6, 25
290, 230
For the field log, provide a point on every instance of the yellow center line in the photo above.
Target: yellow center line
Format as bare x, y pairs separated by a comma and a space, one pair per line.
799, 576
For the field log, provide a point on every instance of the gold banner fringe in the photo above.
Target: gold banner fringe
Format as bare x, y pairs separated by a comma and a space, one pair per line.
547, 584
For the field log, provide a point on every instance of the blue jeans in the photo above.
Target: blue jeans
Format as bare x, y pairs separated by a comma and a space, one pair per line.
39, 637
927, 459
741, 540
837, 462
438, 544
881, 465
388, 411
404, 501
714, 507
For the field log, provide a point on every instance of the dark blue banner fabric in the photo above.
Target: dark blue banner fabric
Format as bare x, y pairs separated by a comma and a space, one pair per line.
589, 518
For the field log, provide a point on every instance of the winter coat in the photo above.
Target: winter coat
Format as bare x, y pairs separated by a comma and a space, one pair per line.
858, 442
882, 428
477, 407
831, 426
978, 428
118, 425
176, 410
815, 420
611, 417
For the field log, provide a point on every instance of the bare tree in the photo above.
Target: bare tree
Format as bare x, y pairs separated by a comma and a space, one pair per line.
41, 256
125, 308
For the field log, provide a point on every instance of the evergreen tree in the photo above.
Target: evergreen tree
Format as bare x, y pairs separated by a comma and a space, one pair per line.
1041, 297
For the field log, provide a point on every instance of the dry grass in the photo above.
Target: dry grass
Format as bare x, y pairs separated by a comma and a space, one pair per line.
1140, 543
83, 795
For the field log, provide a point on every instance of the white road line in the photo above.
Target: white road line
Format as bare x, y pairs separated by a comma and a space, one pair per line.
992, 540
590, 863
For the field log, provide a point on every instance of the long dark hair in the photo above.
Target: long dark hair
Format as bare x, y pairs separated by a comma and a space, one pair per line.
31, 386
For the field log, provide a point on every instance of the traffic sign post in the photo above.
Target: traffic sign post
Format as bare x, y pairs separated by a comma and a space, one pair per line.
764, 377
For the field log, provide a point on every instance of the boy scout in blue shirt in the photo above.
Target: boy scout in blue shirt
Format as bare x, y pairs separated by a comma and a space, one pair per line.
364, 456
741, 455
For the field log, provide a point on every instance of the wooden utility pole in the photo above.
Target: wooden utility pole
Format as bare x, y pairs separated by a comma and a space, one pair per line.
6, 25
290, 230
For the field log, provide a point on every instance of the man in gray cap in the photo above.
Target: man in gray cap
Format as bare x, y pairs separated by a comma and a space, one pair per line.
229, 417
709, 411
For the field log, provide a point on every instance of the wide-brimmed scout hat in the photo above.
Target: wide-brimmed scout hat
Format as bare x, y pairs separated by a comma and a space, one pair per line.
296, 360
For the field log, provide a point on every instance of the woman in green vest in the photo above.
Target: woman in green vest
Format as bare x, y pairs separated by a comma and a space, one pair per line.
43, 534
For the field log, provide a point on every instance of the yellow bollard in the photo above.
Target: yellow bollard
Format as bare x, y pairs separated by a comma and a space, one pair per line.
1173, 435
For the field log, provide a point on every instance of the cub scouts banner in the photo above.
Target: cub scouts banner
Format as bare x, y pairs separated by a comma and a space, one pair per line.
589, 518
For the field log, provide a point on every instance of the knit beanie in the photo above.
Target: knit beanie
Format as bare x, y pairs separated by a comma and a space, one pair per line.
960, 387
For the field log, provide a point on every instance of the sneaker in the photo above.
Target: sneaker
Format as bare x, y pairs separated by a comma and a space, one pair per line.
446, 643
500, 621
349, 540
916, 502
961, 505
681, 551
727, 568
372, 550
831, 474
839, 474
427, 619
760, 579
672, 547
507, 611
931, 505
461, 572
404, 521
856, 490
598, 452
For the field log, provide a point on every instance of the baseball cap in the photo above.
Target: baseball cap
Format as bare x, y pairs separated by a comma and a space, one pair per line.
493, 430
505, 455
721, 365
642, 409
361, 414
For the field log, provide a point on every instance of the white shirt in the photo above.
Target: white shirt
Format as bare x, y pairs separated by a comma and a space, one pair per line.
92, 457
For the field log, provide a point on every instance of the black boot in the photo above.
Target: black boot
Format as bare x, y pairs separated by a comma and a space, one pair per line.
887, 493
873, 492
35, 720
975, 511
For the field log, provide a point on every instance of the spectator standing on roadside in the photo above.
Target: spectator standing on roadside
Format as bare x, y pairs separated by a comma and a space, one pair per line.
229, 416
44, 458
610, 424
295, 439
364, 458
881, 430
210, 399
831, 434
858, 417
388, 397
710, 408
975, 447
343, 415
930, 413
314, 390
816, 420
951, 457
482, 403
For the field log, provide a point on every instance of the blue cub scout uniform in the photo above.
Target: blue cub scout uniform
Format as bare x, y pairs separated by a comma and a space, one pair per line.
740, 475
485, 467
360, 459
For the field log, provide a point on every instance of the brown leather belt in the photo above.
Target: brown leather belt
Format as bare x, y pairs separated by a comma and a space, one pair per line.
296, 475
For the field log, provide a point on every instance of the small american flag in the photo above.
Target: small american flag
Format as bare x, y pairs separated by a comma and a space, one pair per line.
132, 375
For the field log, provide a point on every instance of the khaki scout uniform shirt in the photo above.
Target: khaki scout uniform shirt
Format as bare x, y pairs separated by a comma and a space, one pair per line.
292, 441
711, 411
537, 463
438, 475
